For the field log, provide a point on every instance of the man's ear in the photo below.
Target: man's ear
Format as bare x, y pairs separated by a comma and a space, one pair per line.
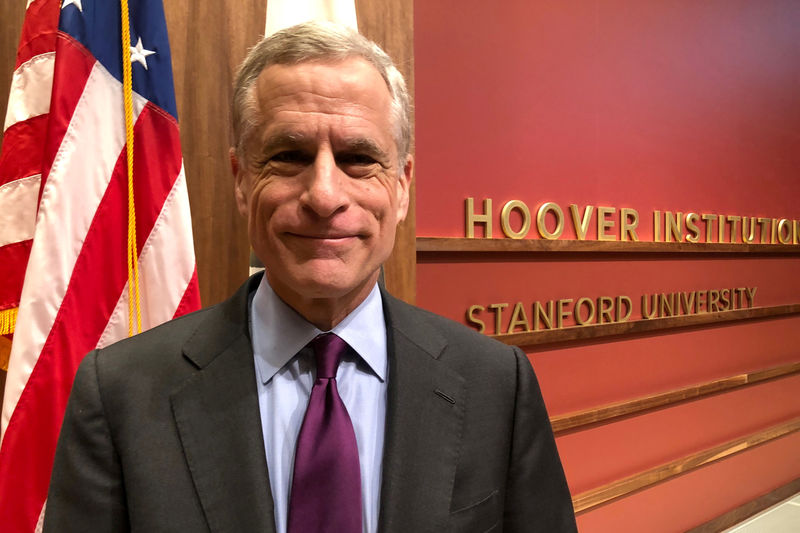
240, 184
404, 188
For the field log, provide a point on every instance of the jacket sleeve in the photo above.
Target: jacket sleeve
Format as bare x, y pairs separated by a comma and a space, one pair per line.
537, 497
86, 488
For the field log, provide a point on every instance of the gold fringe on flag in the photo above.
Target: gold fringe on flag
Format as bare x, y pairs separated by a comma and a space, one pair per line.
134, 307
8, 320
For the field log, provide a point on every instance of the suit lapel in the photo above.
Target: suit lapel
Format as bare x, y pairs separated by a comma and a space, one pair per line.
423, 425
217, 415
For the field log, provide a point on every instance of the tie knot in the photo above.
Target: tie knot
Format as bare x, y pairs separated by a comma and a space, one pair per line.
328, 349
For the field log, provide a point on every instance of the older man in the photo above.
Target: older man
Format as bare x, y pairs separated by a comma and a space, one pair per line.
311, 400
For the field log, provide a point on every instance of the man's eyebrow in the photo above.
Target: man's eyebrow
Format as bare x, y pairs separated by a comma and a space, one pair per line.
283, 139
365, 145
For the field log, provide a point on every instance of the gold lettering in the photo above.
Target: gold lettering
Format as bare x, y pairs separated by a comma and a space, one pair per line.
741, 291
691, 227
473, 218
518, 311
547, 318
605, 306
667, 304
628, 308
783, 224
603, 224
505, 219
725, 299
774, 229
646, 312
713, 301
764, 222
702, 298
721, 229
748, 235
751, 294
709, 220
562, 312
541, 217
796, 232
673, 227
581, 223
497, 309
629, 221
577, 311
733, 220
687, 298
476, 321
656, 225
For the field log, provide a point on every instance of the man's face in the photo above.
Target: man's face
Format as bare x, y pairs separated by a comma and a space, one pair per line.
321, 185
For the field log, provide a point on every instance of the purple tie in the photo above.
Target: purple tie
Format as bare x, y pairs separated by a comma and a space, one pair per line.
326, 488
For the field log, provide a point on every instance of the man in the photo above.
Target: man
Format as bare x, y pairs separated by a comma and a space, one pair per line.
203, 424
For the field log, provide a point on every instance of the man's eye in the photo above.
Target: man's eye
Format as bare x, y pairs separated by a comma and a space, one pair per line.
355, 159
291, 156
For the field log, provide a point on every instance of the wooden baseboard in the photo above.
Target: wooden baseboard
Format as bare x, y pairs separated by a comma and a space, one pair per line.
751, 508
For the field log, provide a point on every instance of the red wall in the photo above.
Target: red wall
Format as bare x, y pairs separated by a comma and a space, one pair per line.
681, 106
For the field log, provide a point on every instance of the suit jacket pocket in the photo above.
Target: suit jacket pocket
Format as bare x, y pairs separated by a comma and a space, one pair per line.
480, 517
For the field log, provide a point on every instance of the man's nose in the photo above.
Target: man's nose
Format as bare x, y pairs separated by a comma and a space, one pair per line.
325, 190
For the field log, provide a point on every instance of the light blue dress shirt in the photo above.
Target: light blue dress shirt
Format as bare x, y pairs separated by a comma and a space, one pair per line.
285, 378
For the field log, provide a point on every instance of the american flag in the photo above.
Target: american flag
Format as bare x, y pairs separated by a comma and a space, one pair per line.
64, 202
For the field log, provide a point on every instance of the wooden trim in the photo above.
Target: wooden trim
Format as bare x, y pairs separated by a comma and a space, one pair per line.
390, 23
462, 245
607, 493
578, 419
751, 508
594, 331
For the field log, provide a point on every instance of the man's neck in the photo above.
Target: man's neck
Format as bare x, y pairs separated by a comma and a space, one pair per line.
324, 312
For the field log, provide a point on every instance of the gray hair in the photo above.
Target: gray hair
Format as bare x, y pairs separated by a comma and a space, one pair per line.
317, 41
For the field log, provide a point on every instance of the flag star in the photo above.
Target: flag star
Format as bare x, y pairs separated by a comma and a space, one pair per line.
76, 3
139, 53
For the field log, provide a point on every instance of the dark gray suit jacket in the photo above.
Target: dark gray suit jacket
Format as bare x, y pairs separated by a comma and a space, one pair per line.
163, 433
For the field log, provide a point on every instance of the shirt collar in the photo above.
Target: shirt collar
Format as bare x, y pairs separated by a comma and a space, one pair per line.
279, 332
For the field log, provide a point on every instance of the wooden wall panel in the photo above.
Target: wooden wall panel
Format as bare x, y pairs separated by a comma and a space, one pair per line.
11, 15
209, 40
390, 23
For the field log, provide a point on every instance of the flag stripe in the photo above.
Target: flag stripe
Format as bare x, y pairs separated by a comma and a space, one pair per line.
18, 219
70, 198
72, 72
30, 91
191, 297
86, 306
10, 276
75, 279
23, 148
159, 271
39, 30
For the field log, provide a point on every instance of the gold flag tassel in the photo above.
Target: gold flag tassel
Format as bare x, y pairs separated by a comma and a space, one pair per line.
8, 321
134, 307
